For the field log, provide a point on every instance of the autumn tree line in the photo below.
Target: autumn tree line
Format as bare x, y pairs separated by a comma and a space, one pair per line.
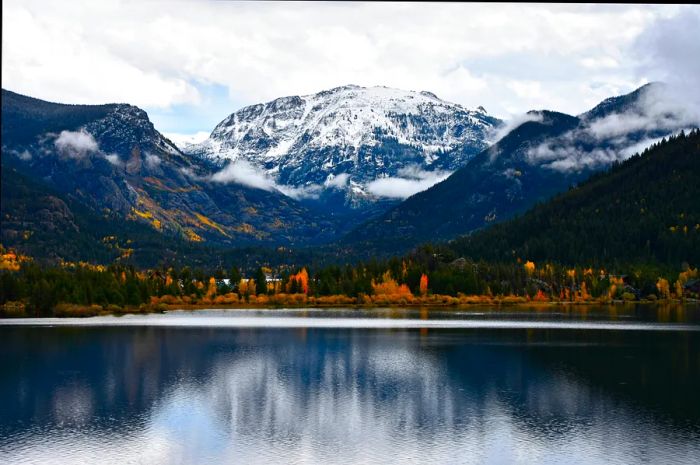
430, 276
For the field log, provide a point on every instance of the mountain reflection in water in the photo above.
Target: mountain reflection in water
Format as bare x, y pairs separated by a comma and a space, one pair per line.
151, 394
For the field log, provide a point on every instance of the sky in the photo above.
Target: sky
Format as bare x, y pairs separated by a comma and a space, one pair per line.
189, 64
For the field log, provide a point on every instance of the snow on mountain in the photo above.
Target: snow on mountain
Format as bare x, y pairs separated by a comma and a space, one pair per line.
183, 141
352, 134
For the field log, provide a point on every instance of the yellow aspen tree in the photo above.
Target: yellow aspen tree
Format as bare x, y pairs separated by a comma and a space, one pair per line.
663, 288
679, 289
211, 290
529, 267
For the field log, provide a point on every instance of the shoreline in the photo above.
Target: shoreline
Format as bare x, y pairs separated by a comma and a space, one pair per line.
73, 310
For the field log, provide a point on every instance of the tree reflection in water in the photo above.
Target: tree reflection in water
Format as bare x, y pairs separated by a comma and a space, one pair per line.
226, 395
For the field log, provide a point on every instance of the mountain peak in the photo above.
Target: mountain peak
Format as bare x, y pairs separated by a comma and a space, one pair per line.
365, 133
621, 103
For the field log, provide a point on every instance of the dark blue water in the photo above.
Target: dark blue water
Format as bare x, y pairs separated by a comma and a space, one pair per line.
581, 386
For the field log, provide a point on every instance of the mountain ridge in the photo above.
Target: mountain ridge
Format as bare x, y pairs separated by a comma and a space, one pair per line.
113, 160
642, 210
357, 134
535, 160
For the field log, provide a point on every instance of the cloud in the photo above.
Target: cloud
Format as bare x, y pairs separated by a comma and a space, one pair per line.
192, 175
554, 150
619, 124
566, 154
659, 108
310, 191
410, 181
571, 159
76, 144
74, 62
668, 51
152, 161
640, 146
244, 173
25, 156
94, 52
513, 122
114, 159
599, 62
338, 181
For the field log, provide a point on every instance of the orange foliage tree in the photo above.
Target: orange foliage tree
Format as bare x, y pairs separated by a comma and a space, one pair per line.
423, 284
211, 289
302, 281
663, 288
246, 286
389, 286
529, 267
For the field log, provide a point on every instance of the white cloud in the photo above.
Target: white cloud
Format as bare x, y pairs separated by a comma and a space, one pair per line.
618, 124
660, 108
25, 156
310, 191
563, 157
61, 53
192, 175
410, 181
339, 181
668, 51
156, 54
244, 173
571, 159
512, 123
76, 144
114, 159
640, 146
601, 62
563, 154
152, 160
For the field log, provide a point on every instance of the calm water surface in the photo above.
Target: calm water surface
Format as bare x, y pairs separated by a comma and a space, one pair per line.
586, 385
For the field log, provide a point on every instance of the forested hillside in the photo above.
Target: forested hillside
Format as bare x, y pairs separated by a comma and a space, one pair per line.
643, 210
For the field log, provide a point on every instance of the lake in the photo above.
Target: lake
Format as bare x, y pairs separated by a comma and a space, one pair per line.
540, 385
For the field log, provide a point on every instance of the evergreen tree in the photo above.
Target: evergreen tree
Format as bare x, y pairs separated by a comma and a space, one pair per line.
260, 281
235, 277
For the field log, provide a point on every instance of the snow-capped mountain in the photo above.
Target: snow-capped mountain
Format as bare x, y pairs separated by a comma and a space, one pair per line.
539, 158
349, 136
